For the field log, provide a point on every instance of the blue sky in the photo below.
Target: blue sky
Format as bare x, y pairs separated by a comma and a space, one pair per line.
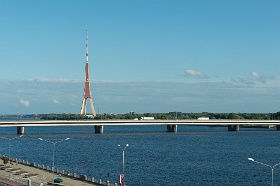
144, 55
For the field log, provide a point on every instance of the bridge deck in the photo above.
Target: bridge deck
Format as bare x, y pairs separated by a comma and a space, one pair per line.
137, 122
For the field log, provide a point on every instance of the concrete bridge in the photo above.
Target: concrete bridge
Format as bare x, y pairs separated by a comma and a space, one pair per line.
233, 125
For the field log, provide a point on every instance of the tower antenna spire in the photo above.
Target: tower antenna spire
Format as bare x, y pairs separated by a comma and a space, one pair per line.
87, 92
86, 46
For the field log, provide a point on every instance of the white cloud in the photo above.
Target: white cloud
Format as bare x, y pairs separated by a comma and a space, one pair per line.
55, 101
261, 78
213, 95
24, 103
194, 73
57, 80
243, 81
255, 75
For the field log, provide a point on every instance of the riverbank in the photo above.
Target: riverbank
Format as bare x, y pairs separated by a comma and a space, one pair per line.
18, 174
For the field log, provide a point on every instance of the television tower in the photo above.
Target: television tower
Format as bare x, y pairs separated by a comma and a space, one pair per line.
87, 92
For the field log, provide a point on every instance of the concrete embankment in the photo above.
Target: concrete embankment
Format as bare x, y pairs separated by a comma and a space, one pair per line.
18, 173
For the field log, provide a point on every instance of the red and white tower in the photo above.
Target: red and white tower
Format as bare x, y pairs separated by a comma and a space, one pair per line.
87, 92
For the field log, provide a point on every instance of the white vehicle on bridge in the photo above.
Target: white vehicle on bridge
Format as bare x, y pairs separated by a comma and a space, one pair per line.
203, 118
146, 118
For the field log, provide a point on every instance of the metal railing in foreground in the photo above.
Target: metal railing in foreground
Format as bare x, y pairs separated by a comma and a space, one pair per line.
69, 174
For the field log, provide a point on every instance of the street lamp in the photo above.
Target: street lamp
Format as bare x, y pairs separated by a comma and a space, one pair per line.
123, 149
272, 167
54, 143
9, 158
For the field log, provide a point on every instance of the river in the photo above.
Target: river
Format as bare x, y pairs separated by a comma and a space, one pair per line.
194, 155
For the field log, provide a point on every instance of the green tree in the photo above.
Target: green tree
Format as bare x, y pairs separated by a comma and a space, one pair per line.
233, 116
5, 159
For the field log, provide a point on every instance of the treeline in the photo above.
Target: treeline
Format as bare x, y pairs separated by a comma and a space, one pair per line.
182, 116
167, 116
63, 116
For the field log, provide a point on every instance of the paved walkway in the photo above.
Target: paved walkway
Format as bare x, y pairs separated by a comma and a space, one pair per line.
37, 176
6, 181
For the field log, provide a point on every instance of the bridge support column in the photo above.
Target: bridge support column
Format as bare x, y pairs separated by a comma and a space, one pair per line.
233, 127
277, 127
20, 130
98, 129
172, 128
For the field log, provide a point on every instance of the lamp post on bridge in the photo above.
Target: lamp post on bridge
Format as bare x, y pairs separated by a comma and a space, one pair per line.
272, 167
9, 158
122, 176
54, 143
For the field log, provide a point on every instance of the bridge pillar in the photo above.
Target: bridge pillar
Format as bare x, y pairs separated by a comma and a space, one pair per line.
20, 130
98, 129
172, 128
233, 127
277, 127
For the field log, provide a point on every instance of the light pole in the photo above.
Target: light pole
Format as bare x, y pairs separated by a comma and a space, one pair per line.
123, 149
272, 167
9, 158
54, 143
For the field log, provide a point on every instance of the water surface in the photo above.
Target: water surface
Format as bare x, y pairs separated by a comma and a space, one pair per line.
192, 156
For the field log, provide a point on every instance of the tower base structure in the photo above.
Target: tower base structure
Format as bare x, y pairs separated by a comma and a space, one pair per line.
83, 110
